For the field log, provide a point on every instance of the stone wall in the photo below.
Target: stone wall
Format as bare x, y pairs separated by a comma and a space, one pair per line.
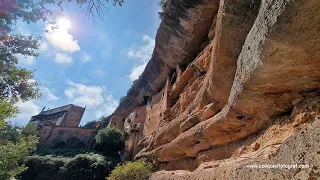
74, 116
60, 137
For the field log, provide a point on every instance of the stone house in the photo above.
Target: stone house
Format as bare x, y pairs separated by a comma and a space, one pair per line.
59, 128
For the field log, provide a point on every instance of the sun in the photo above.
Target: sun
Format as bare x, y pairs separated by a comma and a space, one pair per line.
64, 23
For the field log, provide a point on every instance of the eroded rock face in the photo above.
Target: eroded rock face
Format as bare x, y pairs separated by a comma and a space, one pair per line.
182, 32
260, 63
282, 143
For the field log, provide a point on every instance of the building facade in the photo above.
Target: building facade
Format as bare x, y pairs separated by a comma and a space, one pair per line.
59, 128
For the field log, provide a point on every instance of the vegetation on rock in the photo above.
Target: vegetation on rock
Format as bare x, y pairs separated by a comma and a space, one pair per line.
163, 4
138, 170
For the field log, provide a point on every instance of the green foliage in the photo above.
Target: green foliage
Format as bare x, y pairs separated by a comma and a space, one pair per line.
7, 110
30, 130
65, 152
138, 170
9, 133
163, 4
12, 155
91, 124
15, 81
132, 85
81, 167
14, 147
109, 140
85, 166
43, 167
122, 98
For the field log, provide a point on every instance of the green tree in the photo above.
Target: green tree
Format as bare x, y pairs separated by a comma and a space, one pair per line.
7, 110
12, 155
109, 141
91, 124
85, 166
14, 147
9, 133
30, 130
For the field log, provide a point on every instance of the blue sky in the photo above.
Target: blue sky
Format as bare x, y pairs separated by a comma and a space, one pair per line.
91, 65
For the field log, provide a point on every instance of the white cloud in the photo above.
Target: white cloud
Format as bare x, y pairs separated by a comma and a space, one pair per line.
44, 46
137, 71
83, 95
26, 60
95, 98
85, 57
61, 39
27, 109
144, 52
48, 95
108, 107
63, 59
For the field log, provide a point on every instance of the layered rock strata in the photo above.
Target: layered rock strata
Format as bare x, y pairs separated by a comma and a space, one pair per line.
221, 72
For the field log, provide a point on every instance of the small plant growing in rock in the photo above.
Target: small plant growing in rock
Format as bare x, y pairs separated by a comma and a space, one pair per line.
163, 4
138, 170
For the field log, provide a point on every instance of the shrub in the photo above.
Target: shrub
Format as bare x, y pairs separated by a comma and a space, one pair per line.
85, 166
109, 141
91, 124
10, 133
12, 155
81, 167
138, 170
43, 167
65, 152
30, 130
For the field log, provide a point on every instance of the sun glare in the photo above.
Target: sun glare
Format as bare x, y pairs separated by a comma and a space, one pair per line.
64, 23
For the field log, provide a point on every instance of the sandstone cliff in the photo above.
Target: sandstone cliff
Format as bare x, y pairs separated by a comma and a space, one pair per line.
230, 82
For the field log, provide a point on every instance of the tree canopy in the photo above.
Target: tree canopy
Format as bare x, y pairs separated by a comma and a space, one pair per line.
109, 140
14, 147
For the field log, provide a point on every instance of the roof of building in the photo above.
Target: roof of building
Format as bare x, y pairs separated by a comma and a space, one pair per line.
61, 107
